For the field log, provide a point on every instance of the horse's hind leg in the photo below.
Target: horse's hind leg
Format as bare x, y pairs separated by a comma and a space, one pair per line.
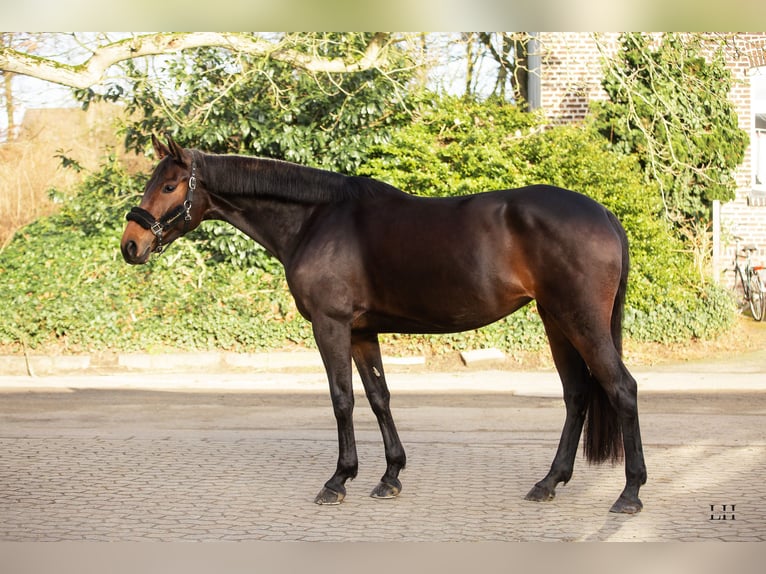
366, 353
621, 390
575, 379
619, 416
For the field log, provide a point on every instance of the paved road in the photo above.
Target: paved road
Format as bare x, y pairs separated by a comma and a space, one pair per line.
129, 464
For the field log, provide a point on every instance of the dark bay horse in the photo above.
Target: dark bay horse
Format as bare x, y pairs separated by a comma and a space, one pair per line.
363, 258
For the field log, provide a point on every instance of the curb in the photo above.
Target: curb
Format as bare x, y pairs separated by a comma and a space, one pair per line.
522, 383
42, 364
47, 365
290, 371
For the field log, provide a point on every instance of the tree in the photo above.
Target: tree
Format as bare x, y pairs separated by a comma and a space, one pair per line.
99, 58
669, 105
233, 102
8, 95
96, 62
508, 50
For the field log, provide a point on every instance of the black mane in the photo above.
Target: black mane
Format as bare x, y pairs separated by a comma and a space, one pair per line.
243, 175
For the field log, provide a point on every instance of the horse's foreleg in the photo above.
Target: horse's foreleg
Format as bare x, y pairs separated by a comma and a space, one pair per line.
334, 341
366, 353
563, 463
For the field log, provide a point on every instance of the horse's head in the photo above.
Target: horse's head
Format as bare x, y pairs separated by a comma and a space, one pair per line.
169, 207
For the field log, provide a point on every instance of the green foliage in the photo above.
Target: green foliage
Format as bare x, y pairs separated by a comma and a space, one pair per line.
679, 318
64, 282
223, 102
669, 106
226, 245
454, 146
103, 200
85, 298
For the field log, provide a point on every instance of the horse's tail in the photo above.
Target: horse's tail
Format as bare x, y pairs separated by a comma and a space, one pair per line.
603, 434
619, 300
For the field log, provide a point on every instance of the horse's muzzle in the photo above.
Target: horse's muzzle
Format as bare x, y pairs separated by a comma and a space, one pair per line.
133, 254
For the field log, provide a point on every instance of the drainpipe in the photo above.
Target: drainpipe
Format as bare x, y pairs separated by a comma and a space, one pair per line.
534, 95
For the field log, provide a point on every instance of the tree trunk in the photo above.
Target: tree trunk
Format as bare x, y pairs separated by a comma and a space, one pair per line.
10, 108
520, 79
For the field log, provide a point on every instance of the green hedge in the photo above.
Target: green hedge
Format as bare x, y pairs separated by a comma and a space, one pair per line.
65, 287
64, 282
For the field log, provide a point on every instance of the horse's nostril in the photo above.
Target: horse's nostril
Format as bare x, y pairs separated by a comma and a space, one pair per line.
129, 250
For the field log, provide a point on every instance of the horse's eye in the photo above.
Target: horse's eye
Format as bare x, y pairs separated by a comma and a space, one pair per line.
168, 188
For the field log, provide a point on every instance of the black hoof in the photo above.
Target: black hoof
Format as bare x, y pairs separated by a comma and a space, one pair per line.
627, 506
386, 490
540, 494
329, 496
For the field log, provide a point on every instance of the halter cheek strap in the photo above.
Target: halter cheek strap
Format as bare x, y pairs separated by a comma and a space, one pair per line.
159, 226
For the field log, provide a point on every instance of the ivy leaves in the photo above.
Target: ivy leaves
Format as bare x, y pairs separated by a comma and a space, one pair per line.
670, 106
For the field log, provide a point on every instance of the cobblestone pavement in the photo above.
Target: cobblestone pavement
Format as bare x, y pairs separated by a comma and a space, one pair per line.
118, 465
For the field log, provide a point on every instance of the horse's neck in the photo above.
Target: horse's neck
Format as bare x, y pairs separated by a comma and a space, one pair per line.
276, 225
231, 175
267, 200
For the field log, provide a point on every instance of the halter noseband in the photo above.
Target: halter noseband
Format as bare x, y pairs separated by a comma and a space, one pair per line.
171, 218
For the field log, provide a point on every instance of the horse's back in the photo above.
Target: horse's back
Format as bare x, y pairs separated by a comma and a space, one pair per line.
535, 222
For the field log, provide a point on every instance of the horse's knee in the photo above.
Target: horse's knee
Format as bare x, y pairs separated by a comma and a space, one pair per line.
380, 402
343, 407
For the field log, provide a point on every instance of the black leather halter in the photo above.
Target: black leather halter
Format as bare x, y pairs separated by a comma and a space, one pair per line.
171, 218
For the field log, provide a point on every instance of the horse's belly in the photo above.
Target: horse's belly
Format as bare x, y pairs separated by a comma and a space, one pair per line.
432, 318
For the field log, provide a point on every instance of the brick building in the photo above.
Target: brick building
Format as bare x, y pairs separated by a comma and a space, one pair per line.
570, 77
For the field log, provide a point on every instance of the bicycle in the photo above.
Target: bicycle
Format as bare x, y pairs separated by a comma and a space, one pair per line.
749, 279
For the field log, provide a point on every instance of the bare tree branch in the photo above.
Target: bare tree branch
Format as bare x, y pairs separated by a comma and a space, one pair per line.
92, 71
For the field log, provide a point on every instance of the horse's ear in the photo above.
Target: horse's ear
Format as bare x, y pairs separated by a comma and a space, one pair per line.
175, 150
159, 148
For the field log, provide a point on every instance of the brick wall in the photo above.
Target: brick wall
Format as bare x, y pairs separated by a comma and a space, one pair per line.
571, 78
571, 72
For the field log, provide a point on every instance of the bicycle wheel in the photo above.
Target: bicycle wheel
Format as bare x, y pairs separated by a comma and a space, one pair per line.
756, 297
740, 290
